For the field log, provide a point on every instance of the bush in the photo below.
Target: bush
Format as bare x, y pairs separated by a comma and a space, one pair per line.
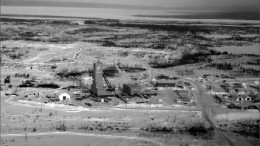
16, 55
108, 44
225, 53
131, 69
61, 127
27, 83
55, 60
110, 71
195, 129
139, 54
186, 58
247, 128
66, 73
48, 85
222, 66
123, 53
170, 28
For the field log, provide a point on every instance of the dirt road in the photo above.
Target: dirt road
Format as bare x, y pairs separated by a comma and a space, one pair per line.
203, 100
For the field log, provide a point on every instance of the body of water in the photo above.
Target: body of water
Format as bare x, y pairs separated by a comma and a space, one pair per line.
254, 49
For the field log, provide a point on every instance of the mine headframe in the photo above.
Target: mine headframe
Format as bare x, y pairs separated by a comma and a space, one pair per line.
97, 87
110, 87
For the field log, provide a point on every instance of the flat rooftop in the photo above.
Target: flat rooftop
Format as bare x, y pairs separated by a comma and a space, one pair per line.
166, 81
133, 85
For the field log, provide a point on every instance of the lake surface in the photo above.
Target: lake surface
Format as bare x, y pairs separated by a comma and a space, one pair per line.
254, 49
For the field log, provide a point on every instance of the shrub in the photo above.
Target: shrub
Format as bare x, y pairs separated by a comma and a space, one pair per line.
61, 127
225, 53
131, 69
108, 44
48, 85
123, 53
65, 73
186, 58
110, 71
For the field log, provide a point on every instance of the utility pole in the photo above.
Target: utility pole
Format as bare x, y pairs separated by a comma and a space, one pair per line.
157, 102
227, 116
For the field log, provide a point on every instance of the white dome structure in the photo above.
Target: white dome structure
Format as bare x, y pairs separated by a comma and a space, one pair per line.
62, 95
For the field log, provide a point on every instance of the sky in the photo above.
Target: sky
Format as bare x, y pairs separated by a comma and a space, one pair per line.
137, 9
216, 5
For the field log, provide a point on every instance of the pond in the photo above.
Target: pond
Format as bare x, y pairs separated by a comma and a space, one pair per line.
254, 49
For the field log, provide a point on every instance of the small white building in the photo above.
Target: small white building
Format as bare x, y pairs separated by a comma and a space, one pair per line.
245, 98
63, 95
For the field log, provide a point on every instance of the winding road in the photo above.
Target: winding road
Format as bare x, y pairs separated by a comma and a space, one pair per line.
76, 55
206, 109
30, 61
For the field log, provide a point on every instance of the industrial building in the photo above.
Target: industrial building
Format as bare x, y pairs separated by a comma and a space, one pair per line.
132, 89
184, 100
165, 83
100, 85
184, 97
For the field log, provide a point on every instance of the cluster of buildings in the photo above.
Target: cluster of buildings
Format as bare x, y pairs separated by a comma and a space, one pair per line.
100, 89
184, 97
234, 94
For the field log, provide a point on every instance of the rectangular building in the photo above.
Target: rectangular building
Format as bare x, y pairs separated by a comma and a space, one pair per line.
165, 83
132, 89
